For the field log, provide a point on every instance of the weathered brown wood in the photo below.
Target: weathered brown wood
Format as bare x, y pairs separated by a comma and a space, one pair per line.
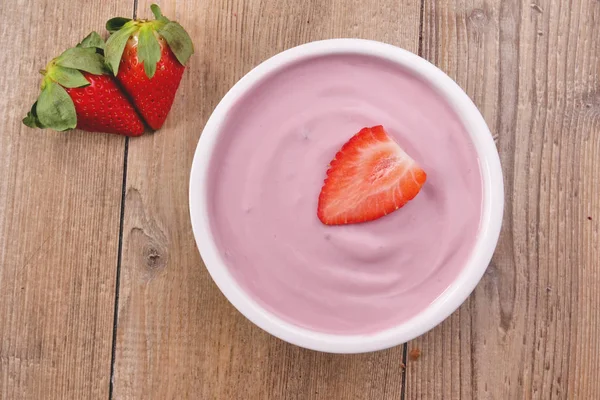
60, 196
177, 336
531, 328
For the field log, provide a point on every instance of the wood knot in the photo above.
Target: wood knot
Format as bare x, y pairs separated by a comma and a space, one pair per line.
492, 270
591, 102
478, 14
153, 257
478, 19
151, 251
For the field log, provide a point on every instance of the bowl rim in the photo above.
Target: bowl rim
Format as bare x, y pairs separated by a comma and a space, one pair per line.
459, 289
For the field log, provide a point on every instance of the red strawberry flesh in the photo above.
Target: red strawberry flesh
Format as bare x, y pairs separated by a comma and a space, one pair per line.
370, 177
102, 107
153, 97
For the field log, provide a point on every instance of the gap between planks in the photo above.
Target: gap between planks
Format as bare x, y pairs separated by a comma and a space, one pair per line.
119, 257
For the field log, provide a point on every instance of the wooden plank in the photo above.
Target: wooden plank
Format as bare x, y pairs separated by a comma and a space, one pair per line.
60, 196
177, 336
531, 328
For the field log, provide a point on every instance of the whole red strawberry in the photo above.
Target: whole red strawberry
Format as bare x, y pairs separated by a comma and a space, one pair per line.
78, 93
148, 59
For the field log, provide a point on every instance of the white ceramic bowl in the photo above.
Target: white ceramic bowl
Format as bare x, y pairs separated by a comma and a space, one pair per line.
461, 287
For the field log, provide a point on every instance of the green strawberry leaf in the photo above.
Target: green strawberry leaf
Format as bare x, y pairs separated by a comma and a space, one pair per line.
67, 77
85, 59
31, 120
93, 40
148, 50
115, 45
179, 41
115, 24
55, 109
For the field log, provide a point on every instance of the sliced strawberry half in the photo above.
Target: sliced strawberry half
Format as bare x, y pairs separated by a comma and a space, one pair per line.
371, 176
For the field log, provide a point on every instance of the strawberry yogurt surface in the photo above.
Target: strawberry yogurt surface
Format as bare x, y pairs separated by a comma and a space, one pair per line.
267, 172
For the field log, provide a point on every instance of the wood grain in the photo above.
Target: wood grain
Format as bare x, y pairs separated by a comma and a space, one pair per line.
531, 328
177, 336
60, 196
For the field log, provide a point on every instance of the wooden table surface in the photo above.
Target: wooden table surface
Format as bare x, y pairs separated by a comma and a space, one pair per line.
103, 293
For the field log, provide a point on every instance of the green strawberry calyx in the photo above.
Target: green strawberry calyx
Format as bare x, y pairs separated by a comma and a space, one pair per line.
147, 33
54, 107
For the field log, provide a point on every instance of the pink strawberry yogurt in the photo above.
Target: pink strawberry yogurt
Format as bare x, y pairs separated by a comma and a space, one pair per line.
268, 169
